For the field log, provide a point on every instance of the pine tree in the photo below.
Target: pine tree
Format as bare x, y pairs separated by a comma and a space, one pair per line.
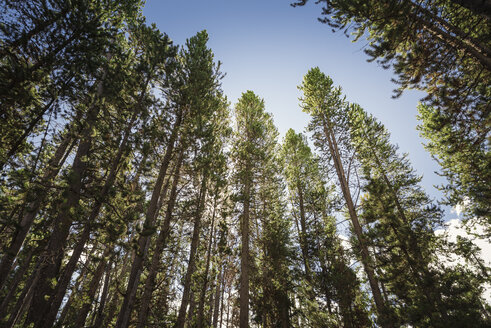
325, 105
402, 223
442, 48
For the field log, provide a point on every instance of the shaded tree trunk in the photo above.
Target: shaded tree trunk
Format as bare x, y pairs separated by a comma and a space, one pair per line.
244, 256
365, 255
99, 201
92, 289
143, 241
100, 311
159, 247
32, 208
192, 254
201, 305
52, 258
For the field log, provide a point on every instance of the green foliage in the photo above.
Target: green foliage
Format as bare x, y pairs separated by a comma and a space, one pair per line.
125, 189
442, 48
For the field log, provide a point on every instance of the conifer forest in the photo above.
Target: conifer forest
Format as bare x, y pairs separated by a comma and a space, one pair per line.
134, 193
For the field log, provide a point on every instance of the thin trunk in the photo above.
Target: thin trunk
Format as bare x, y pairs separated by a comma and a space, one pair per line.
169, 275
244, 256
100, 311
75, 289
24, 300
365, 255
38, 197
303, 233
15, 145
465, 38
218, 299
21, 299
143, 241
456, 43
19, 274
108, 316
202, 295
93, 286
159, 247
192, 254
222, 297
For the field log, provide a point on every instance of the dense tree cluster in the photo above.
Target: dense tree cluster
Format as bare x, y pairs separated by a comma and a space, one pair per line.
132, 194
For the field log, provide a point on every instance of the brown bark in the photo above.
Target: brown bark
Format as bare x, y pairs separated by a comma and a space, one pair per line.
143, 241
53, 255
24, 300
218, 299
100, 311
92, 289
81, 278
159, 247
32, 208
113, 303
479, 52
63, 282
244, 255
19, 274
465, 38
365, 255
201, 305
303, 233
186, 294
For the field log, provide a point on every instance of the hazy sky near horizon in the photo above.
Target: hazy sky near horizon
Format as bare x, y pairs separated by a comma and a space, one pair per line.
267, 47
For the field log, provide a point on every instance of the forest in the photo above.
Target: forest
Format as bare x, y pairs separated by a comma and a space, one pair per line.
134, 193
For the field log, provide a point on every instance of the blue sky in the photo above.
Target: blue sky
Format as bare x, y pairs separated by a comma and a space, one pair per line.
267, 47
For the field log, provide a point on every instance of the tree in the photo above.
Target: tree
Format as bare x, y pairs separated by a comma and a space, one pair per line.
442, 48
252, 154
325, 105
402, 222
327, 278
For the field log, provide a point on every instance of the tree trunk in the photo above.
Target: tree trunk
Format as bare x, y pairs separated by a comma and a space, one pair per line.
19, 274
32, 208
100, 311
75, 290
15, 145
53, 255
480, 53
93, 286
201, 305
143, 241
303, 234
415, 269
66, 276
365, 255
24, 301
192, 254
244, 255
218, 299
159, 247
108, 316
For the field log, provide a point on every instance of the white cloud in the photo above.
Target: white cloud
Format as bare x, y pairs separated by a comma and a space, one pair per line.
455, 228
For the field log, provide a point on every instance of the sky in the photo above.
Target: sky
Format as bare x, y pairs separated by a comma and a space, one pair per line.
267, 47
